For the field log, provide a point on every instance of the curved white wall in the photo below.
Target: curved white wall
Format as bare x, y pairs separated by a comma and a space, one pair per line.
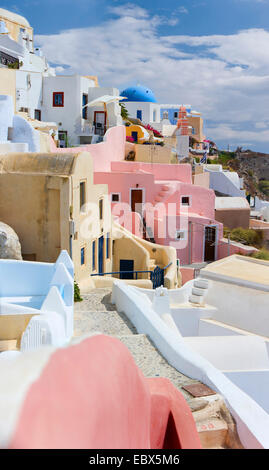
252, 421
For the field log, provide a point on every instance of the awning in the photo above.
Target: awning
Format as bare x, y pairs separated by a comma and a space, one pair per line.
105, 99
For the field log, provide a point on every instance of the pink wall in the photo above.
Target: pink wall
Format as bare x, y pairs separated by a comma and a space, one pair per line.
122, 182
187, 274
162, 172
111, 150
171, 216
225, 250
101, 400
202, 200
165, 232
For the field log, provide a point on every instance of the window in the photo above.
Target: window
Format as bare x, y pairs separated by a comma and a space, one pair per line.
93, 256
58, 99
107, 246
24, 110
101, 209
180, 235
38, 114
84, 107
82, 256
175, 115
139, 114
185, 200
115, 197
154, 115
62, 136
82, 189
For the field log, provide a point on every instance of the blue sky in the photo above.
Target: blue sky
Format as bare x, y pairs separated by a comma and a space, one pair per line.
213, 54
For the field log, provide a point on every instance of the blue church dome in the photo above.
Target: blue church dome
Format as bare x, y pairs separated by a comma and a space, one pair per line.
139, 93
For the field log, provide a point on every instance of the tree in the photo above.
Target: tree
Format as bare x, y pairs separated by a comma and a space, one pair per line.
124, 112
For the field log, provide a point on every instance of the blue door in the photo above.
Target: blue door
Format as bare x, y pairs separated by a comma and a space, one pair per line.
135, 136
139, 114
101, 255
126, 265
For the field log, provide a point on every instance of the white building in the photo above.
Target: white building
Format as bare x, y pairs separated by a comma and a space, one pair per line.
141, 104
42, 95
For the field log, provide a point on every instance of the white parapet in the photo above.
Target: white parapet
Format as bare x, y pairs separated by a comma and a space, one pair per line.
251, 419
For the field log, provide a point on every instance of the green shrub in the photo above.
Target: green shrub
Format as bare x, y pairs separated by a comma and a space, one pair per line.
261, 254
246, 236
264, 187
77, 296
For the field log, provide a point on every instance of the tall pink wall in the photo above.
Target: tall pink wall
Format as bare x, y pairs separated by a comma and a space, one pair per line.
111, 150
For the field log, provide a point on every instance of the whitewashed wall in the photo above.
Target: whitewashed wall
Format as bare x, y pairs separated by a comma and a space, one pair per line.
252, 421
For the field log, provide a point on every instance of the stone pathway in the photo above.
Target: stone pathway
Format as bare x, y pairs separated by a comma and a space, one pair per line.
96, 313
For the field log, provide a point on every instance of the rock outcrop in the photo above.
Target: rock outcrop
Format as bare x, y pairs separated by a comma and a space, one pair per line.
10, 247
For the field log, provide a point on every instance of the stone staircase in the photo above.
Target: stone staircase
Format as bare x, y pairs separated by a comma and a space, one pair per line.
199, 291
97, 314
163, 193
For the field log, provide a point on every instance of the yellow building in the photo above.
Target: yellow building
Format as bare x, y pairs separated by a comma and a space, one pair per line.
8, 83
17, 25
44, 198
138, 133
52, 204
155, 154
197, 124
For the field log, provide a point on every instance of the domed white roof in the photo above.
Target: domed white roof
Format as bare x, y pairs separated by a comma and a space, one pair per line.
9, 15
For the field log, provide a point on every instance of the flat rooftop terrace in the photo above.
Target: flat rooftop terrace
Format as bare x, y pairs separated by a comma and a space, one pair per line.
241, 268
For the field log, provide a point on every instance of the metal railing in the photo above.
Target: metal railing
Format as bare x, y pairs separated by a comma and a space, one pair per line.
156, 276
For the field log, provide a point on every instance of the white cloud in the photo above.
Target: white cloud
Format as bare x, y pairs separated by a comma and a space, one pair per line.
224, 77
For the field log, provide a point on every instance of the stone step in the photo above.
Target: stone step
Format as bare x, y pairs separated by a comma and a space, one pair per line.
213, 433
201, 283
8, 345
196, 299
198, 291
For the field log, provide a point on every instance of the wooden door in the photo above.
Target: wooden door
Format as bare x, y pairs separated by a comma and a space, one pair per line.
210, 243
136, 200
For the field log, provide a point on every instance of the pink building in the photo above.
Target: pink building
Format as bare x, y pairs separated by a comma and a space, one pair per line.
170, 209
158, 202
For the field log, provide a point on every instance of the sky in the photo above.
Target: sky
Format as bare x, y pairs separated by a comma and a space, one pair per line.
212, 54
